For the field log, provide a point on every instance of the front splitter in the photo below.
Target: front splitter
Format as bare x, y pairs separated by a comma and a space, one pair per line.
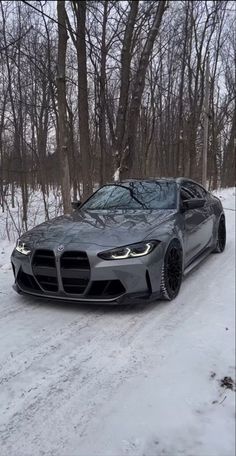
125, 299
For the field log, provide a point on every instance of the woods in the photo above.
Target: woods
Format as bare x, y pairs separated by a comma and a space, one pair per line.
97, 90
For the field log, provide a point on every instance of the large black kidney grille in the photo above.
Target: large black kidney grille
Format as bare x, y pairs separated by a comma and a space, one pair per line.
44, 269
75, 272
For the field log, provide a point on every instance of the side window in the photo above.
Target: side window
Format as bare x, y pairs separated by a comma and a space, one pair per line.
196, 190
202, 192
185, 194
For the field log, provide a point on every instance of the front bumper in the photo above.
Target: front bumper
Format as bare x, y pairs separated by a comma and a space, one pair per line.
125, 299
125, 281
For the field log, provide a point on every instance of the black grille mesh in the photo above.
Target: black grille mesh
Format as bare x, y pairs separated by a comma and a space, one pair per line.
44, 268
75, 272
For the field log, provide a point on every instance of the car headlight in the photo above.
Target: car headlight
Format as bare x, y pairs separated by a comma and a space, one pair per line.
129, 251
22, 248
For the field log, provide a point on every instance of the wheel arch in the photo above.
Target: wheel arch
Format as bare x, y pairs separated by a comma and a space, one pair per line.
180, 240
166, 290
216, 225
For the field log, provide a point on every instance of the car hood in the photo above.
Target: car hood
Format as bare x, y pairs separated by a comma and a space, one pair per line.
101, 228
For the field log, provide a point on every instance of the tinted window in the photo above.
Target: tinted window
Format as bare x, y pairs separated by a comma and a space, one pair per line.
186, 194
134, 195
195, 189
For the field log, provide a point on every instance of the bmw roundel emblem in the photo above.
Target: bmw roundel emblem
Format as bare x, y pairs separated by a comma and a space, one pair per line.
60, 248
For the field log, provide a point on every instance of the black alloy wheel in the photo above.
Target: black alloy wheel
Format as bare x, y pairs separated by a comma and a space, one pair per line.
221, 236
172, 271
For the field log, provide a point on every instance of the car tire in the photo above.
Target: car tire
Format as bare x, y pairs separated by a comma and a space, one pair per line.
221, 236
171, 276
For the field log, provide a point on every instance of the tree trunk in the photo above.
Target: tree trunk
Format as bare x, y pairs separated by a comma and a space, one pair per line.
84, 136
126, 55
102, 104
62, 119
128, 153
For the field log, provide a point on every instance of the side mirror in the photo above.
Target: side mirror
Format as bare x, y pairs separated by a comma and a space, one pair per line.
193, 203
75, 204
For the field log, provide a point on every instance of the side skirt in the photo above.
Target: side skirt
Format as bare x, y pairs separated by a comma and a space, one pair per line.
196, 262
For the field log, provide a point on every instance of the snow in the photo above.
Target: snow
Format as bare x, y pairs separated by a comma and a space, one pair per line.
116, 176
138, 381
11, 219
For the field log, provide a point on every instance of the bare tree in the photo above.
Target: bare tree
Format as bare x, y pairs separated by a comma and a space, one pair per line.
128, 154
62, 114
125, 77
78, 39
89, 87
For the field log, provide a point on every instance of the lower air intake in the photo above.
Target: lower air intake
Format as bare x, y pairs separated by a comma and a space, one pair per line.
27, 281
106, 288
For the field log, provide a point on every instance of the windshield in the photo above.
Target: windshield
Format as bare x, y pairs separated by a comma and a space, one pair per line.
136, 195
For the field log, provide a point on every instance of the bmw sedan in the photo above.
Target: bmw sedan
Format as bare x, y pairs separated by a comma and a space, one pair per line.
129, 242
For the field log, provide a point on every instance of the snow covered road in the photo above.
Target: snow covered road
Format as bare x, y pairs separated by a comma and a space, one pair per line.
100, 381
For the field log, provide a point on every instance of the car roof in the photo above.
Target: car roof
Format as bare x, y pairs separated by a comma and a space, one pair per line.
178, 180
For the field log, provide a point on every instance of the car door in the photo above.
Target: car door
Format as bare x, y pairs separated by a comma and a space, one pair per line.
198, 222
191, 227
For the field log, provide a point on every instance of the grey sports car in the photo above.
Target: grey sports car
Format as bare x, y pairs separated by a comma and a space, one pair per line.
130, 241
